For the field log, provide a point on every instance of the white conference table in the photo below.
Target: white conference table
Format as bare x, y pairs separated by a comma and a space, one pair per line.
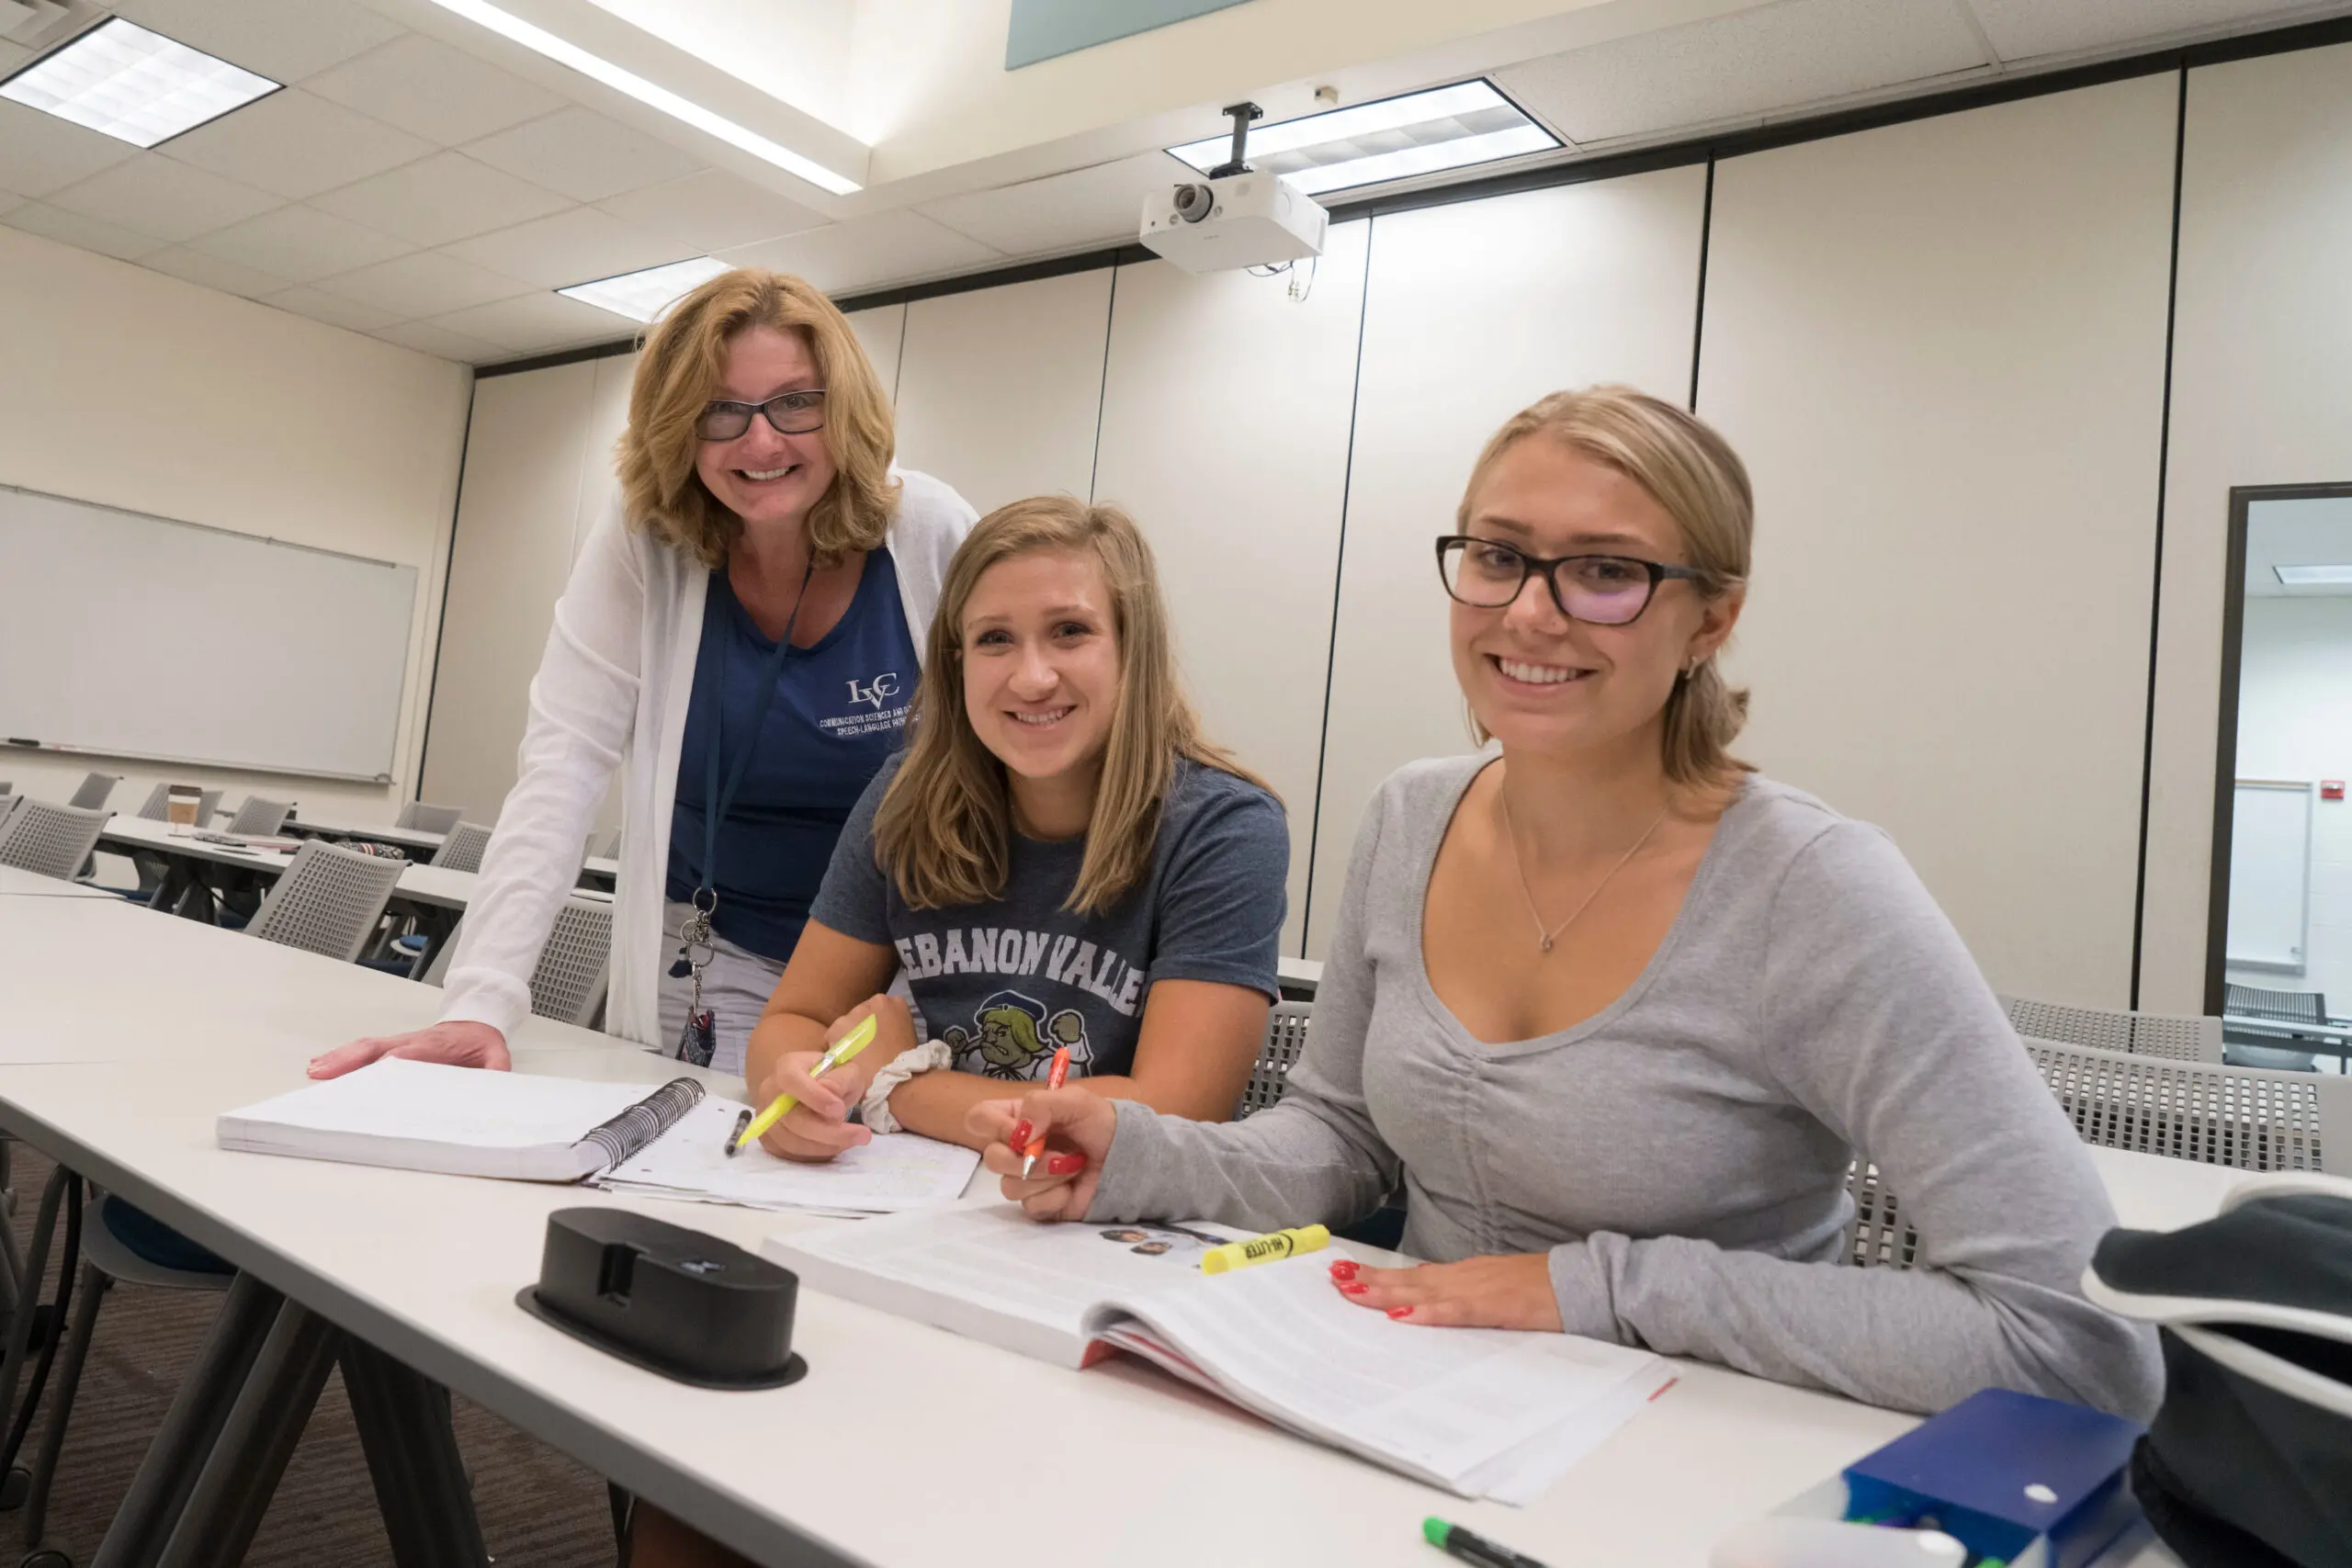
17, 883
905, 1445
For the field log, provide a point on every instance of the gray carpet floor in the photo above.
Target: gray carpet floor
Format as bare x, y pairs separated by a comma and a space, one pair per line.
539, 1508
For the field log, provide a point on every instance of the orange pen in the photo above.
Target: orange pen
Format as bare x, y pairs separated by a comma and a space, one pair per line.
1055, 1077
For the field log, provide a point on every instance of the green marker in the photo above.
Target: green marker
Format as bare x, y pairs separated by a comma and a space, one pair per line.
1455, 1541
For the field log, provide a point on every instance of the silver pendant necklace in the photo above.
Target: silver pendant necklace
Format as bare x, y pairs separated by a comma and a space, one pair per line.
1546, 938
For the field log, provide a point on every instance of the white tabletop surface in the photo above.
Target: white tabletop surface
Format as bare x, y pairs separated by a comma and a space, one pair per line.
33, 885
428, 1267
407, 838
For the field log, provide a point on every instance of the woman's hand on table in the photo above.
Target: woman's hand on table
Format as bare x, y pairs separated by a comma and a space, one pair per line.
455, 1044
817, 1127
1511, 1291
1078, 1126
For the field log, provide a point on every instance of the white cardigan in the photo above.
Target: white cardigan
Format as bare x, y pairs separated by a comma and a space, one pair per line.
613, 686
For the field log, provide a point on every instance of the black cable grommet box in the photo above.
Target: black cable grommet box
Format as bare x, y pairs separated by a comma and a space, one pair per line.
689, 1307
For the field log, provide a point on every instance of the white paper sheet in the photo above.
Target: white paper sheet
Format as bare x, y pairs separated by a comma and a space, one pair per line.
896, 1172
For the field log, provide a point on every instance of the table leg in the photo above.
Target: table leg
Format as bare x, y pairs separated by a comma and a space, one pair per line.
421, 1484
20, 1322
94, 1285
240, 1475
160, 1490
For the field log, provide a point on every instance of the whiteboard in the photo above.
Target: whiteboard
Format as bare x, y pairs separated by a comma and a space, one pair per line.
135, 637
2270, 867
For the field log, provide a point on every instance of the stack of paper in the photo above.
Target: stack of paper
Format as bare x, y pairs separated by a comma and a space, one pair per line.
896, 1172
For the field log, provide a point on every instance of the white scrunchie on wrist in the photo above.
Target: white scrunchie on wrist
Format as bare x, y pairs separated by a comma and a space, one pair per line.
929, 1056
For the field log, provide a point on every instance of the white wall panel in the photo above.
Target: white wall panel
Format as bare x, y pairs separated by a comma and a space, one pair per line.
2262, 381
1000, 390
1471, 312
518, 516
1225, 432
882, 332
1940, 347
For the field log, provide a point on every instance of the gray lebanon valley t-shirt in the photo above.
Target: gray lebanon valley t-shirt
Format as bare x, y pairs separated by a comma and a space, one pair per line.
1006, 983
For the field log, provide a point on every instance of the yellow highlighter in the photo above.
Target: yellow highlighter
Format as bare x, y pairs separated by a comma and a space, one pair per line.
1264, 1248
840, 1051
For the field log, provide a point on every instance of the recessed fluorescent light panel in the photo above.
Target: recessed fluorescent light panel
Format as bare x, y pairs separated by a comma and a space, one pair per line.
641, 296
2314, 576
596, 67
1394, 139
132, 85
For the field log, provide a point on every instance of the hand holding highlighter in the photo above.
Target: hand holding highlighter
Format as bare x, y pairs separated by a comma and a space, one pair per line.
840, 1051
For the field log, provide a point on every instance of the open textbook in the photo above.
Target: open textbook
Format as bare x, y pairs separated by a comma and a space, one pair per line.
669, 1143
1482, 1412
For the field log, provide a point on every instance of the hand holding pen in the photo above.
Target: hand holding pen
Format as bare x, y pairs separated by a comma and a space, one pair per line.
1072, 1130
818, 1097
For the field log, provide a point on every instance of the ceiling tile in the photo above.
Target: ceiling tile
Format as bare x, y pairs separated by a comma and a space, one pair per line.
444, 197
284, 40
431, 90
536, 322
891, 247
583, 156
1743, 65
39, 152
296, 145
2021, 30
440, 342
9, 199
575, 246
194, 266
331, 309
73, 229
156, 195
712, 210
302, 243
13, 55
426, 284
1063, 211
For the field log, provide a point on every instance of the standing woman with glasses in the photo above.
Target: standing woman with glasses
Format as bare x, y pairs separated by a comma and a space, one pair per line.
740, 639
1620, 1011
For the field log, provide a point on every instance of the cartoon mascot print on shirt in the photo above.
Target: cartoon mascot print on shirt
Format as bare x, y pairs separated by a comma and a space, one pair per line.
1016, 1038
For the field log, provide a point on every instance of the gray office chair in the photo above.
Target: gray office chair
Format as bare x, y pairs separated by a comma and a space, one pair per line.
259, 818
95, 789
1879, 1237
53, 841
2249, 1118
608, 849
2178, 1036
461, 851
328, 900
568, 982
1285, 1038
428, 818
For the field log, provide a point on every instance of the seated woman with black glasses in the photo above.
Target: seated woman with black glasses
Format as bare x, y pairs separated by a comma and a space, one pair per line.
1619, 1011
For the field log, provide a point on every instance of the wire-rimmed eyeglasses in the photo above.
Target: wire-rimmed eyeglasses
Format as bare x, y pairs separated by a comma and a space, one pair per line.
1601, 591
791, 413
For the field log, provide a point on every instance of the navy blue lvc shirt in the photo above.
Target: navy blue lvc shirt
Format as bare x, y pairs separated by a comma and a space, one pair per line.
836, 711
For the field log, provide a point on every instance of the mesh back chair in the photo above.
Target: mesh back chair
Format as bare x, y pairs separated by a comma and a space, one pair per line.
2249, 1118
53, 841
610, 849
95, 790
461, 851
574, 968
152, 809
1285, 1038
260, 819
428, 818
1879, 1237
328, 900
2277, 1007
2181, 1038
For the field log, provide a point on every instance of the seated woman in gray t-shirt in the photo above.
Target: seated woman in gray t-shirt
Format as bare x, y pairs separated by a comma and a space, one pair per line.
1618, 1012
1058, 862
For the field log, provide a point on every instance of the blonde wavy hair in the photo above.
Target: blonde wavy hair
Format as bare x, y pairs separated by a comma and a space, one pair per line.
942, 832
679, 369
1693, 473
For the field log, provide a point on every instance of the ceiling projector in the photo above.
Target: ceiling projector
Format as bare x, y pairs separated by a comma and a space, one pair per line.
1235, 217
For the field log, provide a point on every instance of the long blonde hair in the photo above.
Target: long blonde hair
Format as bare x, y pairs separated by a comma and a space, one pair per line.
942, 832
681, 369
1692, 472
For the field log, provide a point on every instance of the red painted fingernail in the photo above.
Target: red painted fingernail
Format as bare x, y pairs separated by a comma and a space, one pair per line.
1019, 1136
1345, 1268
1065, 1164
1400, 1311
1347, 1288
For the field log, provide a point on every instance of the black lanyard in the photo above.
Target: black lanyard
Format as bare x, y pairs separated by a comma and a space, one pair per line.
717, 802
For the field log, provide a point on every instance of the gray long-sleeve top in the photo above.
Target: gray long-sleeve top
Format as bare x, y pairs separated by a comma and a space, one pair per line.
1681, 1156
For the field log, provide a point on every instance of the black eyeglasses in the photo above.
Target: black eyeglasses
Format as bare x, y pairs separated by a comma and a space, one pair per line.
791, 413
1601, 591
